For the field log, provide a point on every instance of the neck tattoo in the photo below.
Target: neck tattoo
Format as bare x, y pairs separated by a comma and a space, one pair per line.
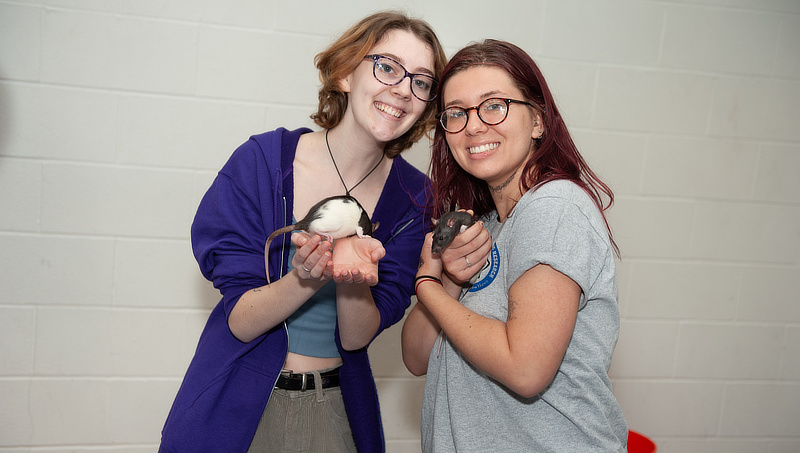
504, 185
346, 190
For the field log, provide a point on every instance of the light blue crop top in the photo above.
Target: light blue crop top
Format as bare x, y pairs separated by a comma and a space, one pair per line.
311, 328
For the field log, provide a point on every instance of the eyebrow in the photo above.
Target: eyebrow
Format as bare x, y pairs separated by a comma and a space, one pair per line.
484, 96
422, 70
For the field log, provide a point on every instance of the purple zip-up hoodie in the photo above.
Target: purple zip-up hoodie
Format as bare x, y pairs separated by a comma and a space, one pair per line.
228, 383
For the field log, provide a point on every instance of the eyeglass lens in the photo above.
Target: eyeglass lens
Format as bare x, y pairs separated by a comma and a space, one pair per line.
390, 72
491, 111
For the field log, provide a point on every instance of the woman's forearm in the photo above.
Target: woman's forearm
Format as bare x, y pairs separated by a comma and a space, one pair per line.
418, 336
358, 316
263, 308
524, 352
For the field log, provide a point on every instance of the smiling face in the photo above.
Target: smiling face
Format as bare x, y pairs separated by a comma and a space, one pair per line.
387, 112
491, 153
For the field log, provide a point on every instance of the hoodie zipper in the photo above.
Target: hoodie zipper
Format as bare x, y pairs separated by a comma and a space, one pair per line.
399, 230
285, 328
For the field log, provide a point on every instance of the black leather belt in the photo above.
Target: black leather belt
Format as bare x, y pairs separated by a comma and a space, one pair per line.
305, 381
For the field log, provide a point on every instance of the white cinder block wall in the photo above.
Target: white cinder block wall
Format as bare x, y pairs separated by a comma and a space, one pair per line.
115, 117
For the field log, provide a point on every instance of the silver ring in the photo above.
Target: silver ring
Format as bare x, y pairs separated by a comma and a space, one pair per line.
468, 263
304, 268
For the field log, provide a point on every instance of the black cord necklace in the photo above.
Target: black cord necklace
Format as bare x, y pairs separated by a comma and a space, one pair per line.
346, 190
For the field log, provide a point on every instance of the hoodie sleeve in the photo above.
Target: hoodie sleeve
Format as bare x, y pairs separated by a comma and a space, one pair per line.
402, 239
228, 232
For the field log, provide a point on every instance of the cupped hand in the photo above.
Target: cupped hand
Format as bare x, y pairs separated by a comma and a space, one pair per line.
312, 259
355, 260
467, 254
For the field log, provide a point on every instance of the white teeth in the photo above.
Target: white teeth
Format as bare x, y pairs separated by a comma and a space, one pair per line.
390, 110
483, 148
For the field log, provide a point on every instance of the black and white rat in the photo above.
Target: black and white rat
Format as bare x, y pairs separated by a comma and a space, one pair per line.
447, 227
332, 218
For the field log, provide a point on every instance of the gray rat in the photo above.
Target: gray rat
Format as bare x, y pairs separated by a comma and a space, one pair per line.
332, 218
447, 227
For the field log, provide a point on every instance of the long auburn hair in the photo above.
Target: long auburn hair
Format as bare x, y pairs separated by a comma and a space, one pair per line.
554, 155
343, 56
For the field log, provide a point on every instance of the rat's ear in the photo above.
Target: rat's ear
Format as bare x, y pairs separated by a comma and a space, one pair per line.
435, 221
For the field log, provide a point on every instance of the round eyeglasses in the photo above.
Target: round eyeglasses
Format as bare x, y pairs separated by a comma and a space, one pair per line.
492, 111
390, 72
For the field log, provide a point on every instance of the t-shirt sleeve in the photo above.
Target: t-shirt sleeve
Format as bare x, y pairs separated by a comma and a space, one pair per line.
555, 231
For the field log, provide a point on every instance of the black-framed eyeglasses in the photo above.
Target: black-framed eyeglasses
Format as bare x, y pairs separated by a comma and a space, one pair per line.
492, 111
390, 72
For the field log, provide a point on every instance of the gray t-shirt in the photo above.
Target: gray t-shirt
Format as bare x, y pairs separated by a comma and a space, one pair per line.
464, 410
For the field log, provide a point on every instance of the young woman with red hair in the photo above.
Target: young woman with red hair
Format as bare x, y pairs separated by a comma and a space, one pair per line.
517, 361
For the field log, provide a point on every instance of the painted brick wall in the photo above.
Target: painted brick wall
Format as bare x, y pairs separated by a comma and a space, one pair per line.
116, 115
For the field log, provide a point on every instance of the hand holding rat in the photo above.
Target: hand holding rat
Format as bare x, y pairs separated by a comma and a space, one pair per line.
468, 252
355, 260
312, 260
429, 264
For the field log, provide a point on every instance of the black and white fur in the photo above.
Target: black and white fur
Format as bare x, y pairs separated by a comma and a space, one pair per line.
332, 218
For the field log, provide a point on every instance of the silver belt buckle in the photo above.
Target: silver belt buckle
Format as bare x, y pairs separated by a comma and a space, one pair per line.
303, 385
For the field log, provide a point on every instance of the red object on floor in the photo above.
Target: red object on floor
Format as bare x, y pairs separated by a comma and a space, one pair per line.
638, 443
